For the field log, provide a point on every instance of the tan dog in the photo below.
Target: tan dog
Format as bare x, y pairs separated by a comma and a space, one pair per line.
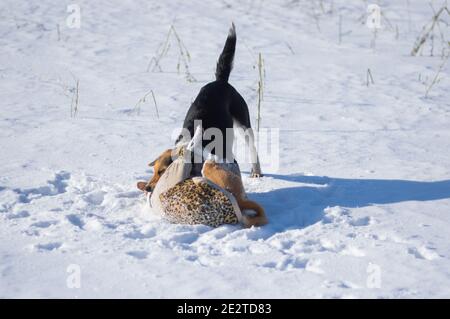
220, 176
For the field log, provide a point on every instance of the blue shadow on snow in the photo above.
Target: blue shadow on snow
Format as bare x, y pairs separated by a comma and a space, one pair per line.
299, 207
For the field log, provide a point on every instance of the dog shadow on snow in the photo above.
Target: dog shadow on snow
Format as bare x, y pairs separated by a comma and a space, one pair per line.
298, 207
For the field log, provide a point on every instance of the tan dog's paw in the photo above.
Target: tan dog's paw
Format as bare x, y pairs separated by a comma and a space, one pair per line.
141, 186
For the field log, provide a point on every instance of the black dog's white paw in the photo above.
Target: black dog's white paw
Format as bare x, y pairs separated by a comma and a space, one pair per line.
256, 174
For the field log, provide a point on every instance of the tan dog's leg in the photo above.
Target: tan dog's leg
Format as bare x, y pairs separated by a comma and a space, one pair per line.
223, 178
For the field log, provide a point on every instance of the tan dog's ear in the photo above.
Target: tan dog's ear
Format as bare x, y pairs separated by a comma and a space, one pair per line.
152, 163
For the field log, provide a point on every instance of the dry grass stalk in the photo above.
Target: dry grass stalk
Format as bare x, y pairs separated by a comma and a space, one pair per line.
142, 100
436, 77
184, 56
74, 102
369, 78
261, 74
428, 30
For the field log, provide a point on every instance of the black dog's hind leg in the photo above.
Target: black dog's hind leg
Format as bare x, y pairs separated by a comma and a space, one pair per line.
240, 114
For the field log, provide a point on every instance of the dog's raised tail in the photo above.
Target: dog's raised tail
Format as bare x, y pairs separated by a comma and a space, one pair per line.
225, 62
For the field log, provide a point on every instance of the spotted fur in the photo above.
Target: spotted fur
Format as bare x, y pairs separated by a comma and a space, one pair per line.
196, 201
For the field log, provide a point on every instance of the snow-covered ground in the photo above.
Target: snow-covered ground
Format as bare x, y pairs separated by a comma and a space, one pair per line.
360, 203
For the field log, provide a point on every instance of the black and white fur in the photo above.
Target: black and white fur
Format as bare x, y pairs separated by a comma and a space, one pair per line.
219, 105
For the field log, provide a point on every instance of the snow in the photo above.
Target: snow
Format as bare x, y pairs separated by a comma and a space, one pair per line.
359, 205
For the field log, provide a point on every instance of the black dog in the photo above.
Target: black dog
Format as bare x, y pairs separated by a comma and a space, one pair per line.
219, 105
